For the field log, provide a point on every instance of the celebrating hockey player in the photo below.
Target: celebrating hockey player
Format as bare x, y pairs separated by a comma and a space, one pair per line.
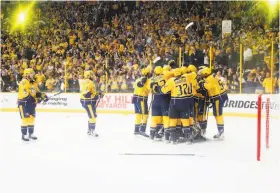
190, 74
179, 108
140, 101
217, 95
160, 103
28, 96
201, 106
89, 98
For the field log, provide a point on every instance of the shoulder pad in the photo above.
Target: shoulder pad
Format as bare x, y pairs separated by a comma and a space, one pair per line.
24, 81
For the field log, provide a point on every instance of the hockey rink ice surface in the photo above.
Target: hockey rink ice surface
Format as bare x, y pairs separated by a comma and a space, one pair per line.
66, 160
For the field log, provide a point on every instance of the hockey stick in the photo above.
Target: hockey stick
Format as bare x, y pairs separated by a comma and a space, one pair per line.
144, 133
189, 25
51, 97
56, 94
207, 112
99, 100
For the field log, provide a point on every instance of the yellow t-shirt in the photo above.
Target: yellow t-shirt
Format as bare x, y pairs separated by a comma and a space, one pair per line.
39, 67
268, 85
114, 85
50, 84
124, 86
72, 39
40, 78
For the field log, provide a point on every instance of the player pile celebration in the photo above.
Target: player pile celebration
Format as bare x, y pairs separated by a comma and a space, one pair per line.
180, 103
179, 106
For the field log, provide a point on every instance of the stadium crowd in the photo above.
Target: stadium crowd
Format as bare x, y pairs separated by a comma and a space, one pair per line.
114, 39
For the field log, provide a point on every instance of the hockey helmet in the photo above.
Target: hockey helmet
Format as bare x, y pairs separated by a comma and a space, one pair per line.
166, 68
177, 72
184, 69
168, 74
158, 70
87, 74
192, 68
28, 71
205, 71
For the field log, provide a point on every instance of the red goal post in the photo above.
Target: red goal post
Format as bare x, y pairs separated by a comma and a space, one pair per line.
268, 123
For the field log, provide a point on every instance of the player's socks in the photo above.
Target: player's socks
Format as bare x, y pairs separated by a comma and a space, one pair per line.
187, 132
203, 128
204, 124
136, 129
178, 127
31, 131
166, 134
179, 132
152, 133
143, 127
159, 127
24, 136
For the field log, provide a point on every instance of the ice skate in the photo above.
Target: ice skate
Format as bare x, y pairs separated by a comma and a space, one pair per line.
92, 133
152, 133
158, 137
25, 138
144, 134
33, 137
219, 135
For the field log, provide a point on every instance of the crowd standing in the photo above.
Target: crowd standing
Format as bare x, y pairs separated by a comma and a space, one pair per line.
115, 39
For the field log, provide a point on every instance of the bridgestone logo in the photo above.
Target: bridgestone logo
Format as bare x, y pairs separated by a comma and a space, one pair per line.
241, 104
249, 104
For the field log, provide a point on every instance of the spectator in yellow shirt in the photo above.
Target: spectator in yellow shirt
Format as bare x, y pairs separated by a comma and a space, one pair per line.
114, 85
72, 37
124, 86
40, 79
268, 84
50, 84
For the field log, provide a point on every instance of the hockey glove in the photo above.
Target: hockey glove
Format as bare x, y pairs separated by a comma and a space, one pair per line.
101, 95
142, 82
157, 89
45, 98
153, 85
38, 95
41, 97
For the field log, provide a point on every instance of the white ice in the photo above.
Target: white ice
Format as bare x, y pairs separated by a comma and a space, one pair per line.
65, 159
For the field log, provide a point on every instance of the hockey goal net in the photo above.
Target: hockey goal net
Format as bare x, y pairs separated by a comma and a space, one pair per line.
268, 127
